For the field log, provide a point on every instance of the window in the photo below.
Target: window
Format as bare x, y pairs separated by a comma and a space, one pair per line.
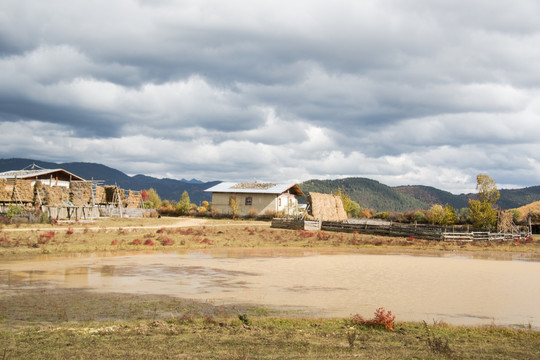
249, 201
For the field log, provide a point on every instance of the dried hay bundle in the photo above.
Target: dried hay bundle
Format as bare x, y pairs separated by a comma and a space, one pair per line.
326, 207
100, 196
39, 192
134, 200
5, 190
80, 192
23, 191
55, 195
113, 192
530, 210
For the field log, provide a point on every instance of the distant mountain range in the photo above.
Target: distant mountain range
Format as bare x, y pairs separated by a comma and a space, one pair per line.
368, 193
170, 189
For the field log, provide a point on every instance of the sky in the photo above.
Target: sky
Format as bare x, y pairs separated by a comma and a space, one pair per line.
406, 92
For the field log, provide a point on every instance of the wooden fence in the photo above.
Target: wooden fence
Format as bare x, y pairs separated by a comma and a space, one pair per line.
421, 231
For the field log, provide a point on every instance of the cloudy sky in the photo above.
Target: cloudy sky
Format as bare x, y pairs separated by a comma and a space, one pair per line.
402, 91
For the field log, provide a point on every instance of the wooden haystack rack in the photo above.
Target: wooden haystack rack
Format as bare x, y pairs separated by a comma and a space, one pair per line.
326, 207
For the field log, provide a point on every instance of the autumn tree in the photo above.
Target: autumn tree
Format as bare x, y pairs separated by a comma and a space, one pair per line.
154, 201
436, 214
440, 215
482, 211
184, 204
352, 208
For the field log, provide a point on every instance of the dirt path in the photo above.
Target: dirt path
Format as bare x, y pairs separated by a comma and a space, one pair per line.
184, 222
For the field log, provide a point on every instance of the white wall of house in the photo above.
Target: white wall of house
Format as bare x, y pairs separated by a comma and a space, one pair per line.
255, 204
287, 203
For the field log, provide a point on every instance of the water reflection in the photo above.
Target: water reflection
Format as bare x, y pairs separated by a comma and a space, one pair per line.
456, 289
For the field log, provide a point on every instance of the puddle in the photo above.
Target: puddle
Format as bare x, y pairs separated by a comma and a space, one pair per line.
325, 283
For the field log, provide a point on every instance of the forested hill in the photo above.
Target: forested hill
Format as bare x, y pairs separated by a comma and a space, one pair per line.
368, 193
510, 198
431, 195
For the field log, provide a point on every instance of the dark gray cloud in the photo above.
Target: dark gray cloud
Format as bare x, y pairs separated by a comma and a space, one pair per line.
403, 91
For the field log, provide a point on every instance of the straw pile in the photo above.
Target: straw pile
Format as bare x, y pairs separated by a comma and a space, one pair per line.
23, 191
39, 192
505, 221
5, 190
254, 185
80, 192
134, 200
326, 207
51, 195
111, 193
100, 196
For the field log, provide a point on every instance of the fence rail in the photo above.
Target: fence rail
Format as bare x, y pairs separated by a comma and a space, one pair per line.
422, 231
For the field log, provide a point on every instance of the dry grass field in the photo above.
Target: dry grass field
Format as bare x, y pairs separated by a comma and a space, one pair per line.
196, 233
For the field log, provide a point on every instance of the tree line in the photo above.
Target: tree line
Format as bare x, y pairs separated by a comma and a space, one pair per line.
481, 212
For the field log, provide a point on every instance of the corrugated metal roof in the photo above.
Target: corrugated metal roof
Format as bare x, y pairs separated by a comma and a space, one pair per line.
232, 187
23, 174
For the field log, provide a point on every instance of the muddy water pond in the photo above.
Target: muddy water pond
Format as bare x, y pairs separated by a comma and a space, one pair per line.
455, 289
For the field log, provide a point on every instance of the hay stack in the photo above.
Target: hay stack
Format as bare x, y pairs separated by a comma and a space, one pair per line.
112, 191
134, 200
39, 192
100, 196
326, 207
23, 191
80, 192
532, 210
54, 195
5, 190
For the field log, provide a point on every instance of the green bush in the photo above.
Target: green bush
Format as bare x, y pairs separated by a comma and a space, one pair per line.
14, 210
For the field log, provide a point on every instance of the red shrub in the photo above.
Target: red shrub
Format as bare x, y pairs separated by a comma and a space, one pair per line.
185, 232
305, 233
206, 241
321, 235
49, 235
149, 242
165, 241
382, 319
159, 231
114, 242
135, 242
70, 231
45, 238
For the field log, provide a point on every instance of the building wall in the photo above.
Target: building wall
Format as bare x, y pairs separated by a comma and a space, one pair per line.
288, 204
263, 204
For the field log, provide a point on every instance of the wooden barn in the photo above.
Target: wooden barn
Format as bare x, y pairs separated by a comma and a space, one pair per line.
256, 198
59, 189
